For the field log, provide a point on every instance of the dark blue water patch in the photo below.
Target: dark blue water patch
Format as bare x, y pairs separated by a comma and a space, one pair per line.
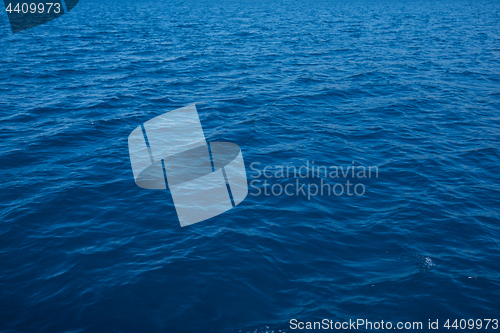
411, 88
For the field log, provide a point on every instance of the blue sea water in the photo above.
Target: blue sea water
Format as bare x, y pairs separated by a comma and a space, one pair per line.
411, 87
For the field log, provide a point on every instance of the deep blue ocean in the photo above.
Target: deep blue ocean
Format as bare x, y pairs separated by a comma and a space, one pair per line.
409, 87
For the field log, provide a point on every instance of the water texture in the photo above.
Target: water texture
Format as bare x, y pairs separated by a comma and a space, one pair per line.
412, 87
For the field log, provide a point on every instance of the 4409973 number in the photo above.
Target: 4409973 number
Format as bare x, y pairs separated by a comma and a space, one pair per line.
472, 324
33, 8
